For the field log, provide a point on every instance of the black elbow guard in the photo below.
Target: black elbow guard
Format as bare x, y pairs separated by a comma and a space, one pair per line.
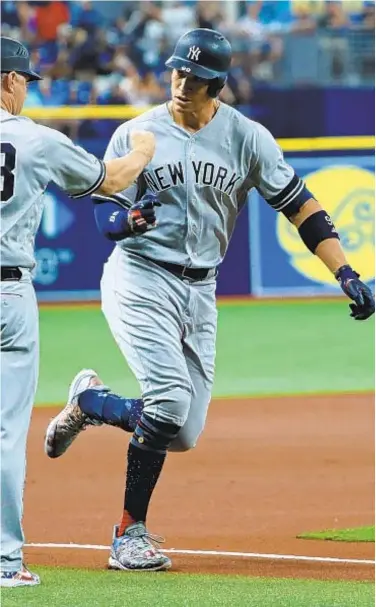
316, 228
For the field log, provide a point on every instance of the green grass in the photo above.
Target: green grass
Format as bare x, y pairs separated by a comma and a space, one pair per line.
357, 534
79, 588
262, 348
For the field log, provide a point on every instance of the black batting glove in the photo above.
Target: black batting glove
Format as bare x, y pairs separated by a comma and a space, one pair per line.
141, 215
356, 290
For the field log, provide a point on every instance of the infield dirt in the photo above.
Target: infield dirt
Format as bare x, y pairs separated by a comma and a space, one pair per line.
264, 471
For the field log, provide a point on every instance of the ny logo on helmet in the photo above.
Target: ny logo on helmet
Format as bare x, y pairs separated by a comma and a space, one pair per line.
194, 52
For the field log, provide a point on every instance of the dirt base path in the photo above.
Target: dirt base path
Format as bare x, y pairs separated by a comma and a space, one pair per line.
264, 471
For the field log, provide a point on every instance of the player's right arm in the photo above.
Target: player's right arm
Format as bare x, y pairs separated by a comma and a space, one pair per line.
80, 174
126, 213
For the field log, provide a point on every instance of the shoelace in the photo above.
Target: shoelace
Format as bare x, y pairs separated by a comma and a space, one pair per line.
144, 541
75, 420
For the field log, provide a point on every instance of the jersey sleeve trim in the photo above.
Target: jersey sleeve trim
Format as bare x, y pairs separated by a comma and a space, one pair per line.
288, 194
95, 185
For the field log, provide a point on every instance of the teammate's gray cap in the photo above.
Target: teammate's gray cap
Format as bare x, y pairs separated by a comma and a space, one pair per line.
15, 58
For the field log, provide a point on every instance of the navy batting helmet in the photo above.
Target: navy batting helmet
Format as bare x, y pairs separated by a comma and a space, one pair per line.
15, 58
204, 53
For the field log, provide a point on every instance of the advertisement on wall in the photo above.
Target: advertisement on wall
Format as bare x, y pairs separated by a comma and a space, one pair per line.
280, 263
69, 251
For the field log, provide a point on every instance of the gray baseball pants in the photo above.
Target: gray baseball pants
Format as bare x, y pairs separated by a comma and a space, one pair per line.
19, 374
166, 329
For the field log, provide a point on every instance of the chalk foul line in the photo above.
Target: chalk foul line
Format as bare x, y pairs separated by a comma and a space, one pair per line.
249, 555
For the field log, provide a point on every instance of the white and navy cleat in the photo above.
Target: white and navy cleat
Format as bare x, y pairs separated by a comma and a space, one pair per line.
136, 551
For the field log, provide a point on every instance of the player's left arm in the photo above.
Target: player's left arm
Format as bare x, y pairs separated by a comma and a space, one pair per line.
319, 234
287, 193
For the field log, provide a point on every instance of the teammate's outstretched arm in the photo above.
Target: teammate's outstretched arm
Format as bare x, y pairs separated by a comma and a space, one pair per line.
285, 192
80, 174
122, 172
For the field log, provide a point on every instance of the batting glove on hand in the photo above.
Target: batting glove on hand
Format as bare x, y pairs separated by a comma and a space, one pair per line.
141, 215
356, 290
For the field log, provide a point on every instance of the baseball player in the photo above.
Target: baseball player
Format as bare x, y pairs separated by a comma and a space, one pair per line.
158, 286
31, 157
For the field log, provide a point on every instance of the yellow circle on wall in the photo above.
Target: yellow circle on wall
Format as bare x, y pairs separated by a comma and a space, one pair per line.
347, 193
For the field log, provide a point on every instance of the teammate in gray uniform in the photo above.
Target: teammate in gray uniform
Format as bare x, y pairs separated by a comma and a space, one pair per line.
31, 157
158, 286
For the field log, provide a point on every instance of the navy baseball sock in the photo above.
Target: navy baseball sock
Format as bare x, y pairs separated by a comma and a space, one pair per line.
105, 406
146, 455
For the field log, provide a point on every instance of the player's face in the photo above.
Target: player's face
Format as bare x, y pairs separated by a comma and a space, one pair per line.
188, 92
15, 89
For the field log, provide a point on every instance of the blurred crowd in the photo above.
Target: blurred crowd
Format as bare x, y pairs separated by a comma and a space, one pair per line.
107, 52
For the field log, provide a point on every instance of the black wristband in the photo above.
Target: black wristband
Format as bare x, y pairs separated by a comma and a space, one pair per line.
316, 228
345, 272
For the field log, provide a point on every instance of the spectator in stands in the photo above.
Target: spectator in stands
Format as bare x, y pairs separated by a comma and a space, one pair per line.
275, 14
164, 52
121, 62
250, 25
16, 20
133, 89
83, 54
362, 43
117, 33
239, 79
303, 22
334, 17
90, 54
150, 91
209, 14
87, 17
81, 93
367, 16
264, 47
335, 22
49, 16
61, 69
113, 95
177, 18
145, 13
149, 42
10, 19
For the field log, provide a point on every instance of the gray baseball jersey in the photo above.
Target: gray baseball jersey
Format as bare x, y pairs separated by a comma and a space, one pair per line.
202, 180
31, 157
